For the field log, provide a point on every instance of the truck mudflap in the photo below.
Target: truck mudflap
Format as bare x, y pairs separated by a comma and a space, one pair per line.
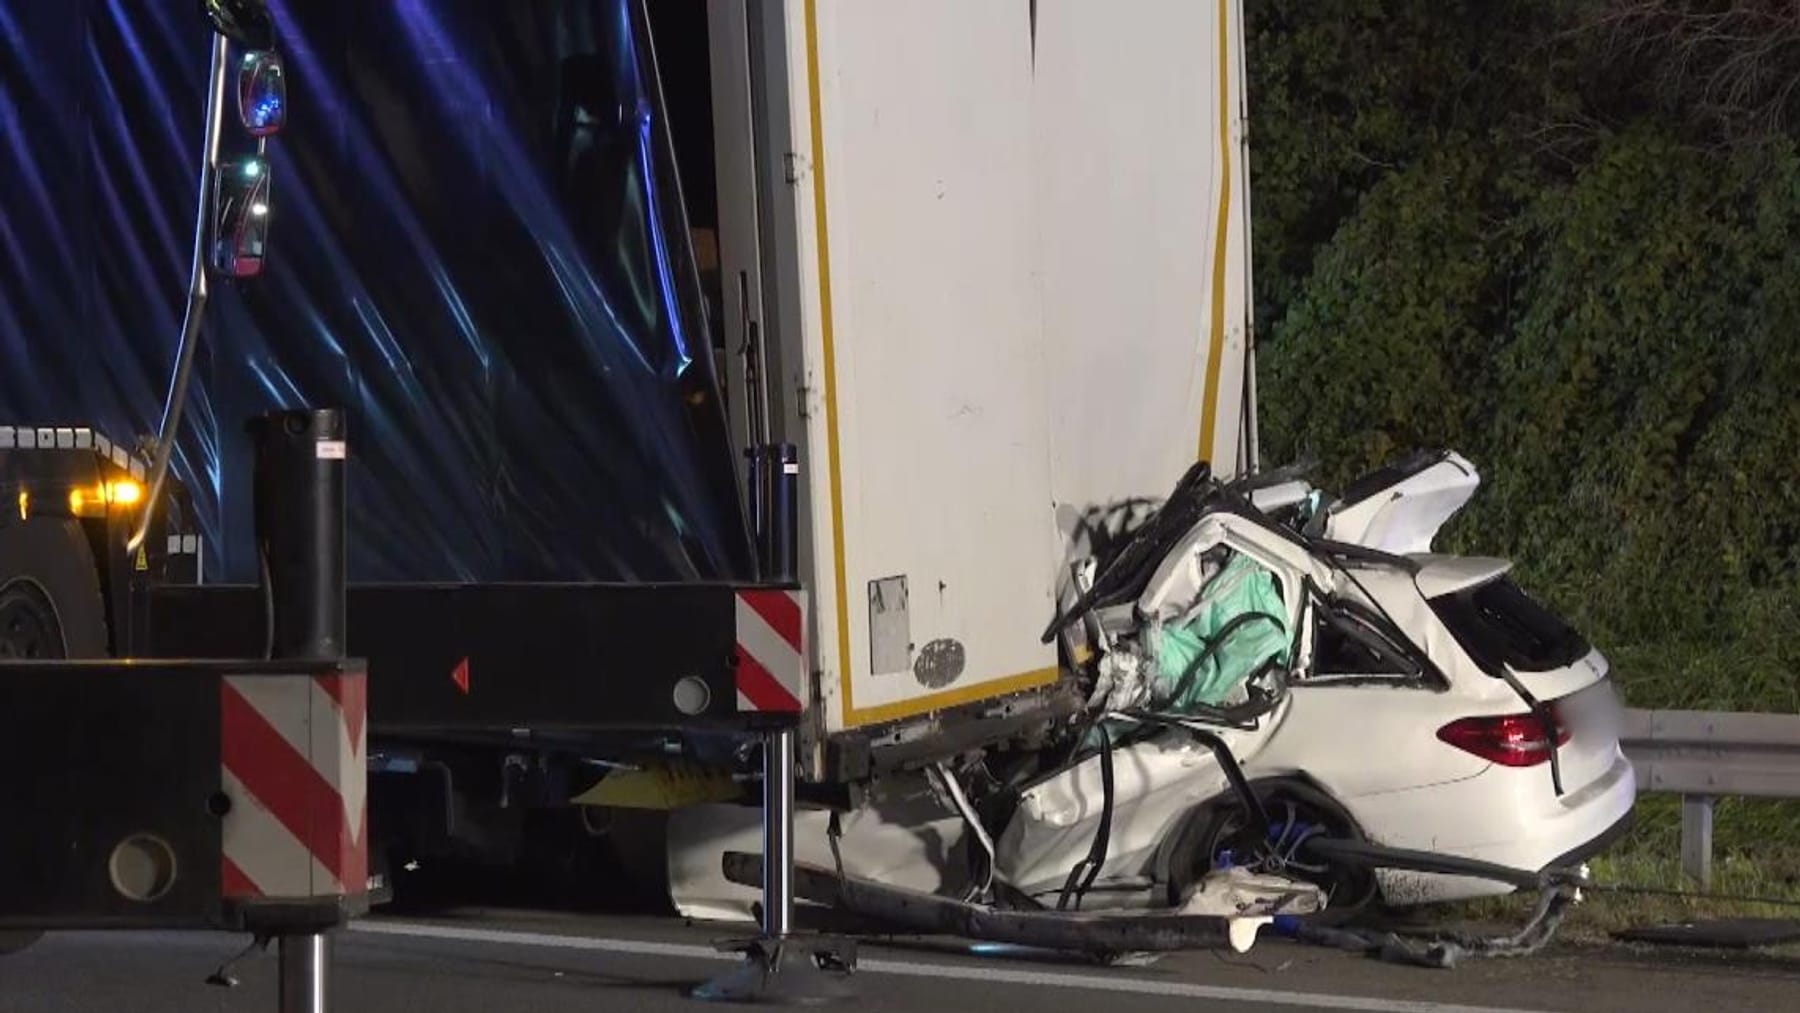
1079, 931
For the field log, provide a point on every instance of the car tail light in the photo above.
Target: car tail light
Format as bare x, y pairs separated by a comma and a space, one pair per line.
1511, 740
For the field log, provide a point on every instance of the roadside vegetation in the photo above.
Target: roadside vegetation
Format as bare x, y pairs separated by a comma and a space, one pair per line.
1563, 237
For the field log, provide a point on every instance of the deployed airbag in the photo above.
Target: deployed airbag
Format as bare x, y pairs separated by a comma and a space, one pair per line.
1235, 628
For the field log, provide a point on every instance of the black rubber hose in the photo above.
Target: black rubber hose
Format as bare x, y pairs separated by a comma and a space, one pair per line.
1259, 815
1377, 856
1077, 885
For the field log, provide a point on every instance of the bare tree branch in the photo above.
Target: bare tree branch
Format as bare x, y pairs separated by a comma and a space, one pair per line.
1732, 64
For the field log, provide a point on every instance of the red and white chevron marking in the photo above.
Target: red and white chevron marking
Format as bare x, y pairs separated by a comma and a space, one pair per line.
771, 651
292, 762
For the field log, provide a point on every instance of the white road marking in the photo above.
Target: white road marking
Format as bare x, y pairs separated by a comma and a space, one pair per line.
988, 974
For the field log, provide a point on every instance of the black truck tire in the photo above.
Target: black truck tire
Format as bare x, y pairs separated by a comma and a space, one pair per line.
50, 607
50, 603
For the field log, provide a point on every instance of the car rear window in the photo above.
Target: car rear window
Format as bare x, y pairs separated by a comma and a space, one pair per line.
1499, 624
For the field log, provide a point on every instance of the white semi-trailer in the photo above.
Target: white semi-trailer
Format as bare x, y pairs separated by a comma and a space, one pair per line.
996, 254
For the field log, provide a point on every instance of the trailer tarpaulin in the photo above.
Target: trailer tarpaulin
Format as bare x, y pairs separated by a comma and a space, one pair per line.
477, 249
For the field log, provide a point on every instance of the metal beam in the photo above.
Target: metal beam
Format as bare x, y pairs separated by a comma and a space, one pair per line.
1702, 755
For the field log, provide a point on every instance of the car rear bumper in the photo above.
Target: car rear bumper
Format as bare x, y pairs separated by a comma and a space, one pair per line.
1605, 839
1506, 816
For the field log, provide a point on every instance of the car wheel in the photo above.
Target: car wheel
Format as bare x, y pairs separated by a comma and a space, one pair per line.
1297, 811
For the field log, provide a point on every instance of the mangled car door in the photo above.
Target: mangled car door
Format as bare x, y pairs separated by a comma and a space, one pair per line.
1209, 642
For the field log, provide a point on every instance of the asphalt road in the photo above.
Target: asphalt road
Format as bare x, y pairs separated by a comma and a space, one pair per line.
500, 961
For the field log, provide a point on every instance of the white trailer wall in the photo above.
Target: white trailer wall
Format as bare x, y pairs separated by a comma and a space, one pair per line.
1141, 205
1019, 269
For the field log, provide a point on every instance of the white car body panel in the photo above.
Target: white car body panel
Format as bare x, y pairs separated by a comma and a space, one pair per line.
1441, 575
1405, 517
1156, 783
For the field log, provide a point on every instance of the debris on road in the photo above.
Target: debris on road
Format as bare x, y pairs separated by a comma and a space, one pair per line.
1718, 933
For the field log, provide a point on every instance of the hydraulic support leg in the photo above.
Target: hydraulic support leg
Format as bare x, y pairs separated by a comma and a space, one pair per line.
778, 835
304, 961
778, 966
299, 499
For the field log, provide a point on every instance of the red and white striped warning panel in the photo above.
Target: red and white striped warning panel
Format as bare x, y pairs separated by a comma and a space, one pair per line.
292, 762
771, 651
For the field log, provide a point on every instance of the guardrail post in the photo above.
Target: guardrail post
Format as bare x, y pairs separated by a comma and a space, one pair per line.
1696, 838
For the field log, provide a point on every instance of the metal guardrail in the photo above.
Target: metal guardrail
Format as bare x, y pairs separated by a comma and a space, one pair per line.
1703, 755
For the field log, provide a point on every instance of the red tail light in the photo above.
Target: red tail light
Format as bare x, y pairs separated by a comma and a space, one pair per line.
1511, 740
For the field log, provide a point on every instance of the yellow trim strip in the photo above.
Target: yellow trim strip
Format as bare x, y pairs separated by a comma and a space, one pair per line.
825, 336
881, 713
853, 716
1209, 405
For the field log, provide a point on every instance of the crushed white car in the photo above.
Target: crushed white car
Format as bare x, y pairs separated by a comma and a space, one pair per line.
1358, 684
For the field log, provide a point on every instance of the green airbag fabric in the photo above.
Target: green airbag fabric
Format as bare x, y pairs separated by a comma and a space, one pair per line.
1241, 618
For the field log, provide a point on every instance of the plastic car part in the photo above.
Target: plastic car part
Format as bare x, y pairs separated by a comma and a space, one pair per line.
1511, 740
1237, 892
1547, 718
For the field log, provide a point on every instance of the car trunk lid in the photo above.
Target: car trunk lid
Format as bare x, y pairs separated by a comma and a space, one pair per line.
1555, 671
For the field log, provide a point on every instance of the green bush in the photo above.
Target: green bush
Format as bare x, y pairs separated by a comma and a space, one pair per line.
1592, 291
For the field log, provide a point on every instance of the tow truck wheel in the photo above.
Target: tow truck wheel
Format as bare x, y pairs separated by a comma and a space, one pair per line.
1296, 811
50, 605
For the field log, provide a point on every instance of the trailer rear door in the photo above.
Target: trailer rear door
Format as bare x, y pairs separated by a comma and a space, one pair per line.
1002, 285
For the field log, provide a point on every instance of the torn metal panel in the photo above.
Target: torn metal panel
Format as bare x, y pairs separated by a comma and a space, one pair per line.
1156, 783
